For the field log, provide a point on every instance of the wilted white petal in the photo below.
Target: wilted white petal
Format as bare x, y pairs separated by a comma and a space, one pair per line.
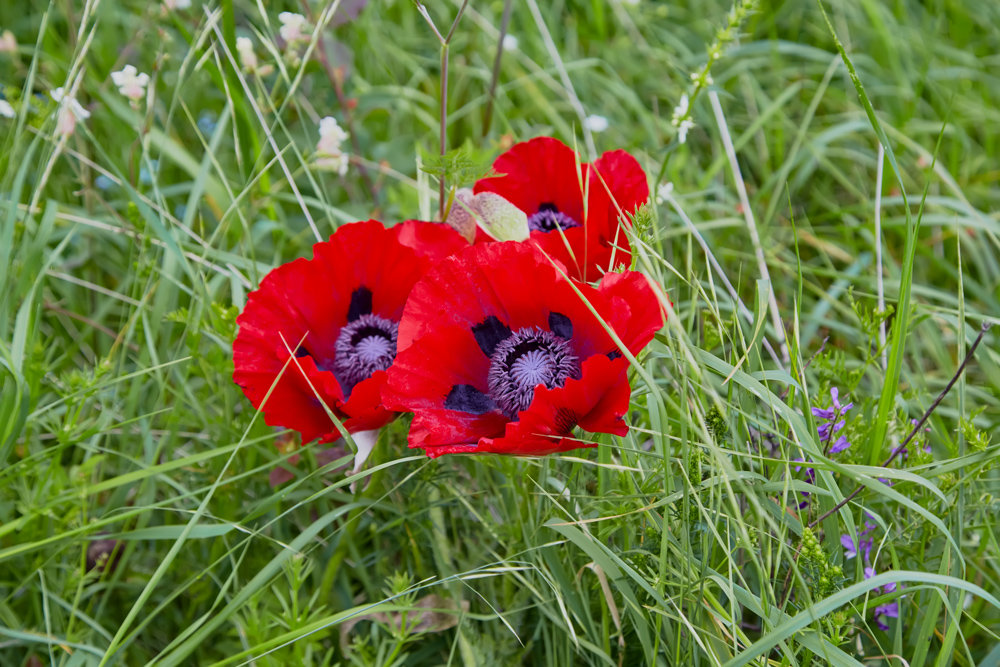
461, 216
365, 440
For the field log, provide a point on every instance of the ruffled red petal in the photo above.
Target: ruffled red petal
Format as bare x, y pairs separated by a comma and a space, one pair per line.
540, 171
546, 171
367, 254
308, 301
431, 240
296, 398
618, 184
364, 410
597, 402
636, 312
423, 374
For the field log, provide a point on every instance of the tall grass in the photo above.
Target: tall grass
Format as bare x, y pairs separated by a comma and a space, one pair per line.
127, 249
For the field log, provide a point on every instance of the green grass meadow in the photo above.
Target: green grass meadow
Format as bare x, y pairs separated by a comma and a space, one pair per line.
830, 220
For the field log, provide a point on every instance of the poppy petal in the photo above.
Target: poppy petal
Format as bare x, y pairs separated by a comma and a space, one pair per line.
432, 240
596, 402
527, 165
636, 311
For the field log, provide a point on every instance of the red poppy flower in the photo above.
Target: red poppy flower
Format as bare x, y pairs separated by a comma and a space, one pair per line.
574, 209
499, 353
322, 331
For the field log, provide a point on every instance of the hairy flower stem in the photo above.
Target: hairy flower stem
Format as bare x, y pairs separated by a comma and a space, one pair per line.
444, 125
445, 43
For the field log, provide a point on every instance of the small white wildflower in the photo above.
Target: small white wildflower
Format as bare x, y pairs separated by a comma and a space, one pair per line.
595, 123
681, 110
70, 112
248, 59
69, 104
331, 134
664, 192
509, 43
335, 162
329, 156
131, 83
294, 27
683, 129
59, 95
177, 4
6, 110
65, 122
8, 44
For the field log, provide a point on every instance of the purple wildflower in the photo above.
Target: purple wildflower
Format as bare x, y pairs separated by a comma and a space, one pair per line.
884, 611
835, 410
833, 423
810, 477
852, 548
841, 444
828, 429
927, 429
890, 610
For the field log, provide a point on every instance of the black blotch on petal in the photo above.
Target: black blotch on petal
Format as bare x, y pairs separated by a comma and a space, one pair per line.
565, 420
560, 325
361, 303
548, 206
489, 333
301, 352
614, 354
466, 398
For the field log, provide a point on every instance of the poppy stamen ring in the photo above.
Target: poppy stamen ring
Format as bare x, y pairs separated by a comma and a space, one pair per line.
525, 359
364, 346
549, 219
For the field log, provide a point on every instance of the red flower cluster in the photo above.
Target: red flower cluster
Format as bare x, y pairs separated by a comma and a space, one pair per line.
495, 347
